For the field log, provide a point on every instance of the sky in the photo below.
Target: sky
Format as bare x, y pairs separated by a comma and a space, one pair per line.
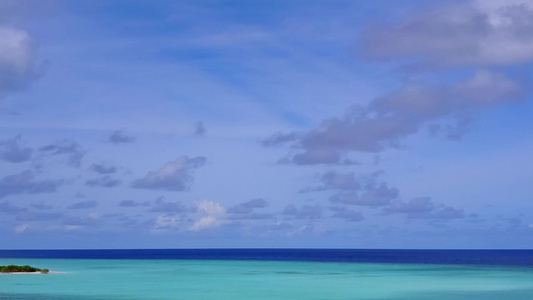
287, 124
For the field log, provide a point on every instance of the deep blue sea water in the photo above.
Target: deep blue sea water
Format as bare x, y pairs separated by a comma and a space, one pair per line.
523, 258
273, 274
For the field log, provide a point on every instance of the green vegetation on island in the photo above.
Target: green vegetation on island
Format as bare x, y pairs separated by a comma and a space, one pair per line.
17, 269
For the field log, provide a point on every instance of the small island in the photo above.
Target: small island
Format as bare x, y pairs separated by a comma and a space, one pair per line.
22, 269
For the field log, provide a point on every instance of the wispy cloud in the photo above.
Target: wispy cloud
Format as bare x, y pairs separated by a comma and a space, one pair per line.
199, 129
304, 212
424, 208
25, 183
103, 169
120, 137
13, 150
174, 176
83, 205
69, 148
104, 181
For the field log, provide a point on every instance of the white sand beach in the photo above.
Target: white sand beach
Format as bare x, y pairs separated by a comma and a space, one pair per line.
32, 273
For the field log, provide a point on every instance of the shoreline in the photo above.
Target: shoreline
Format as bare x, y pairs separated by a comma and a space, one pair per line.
32, 273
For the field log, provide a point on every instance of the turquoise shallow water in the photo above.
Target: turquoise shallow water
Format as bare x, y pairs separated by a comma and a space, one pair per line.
88, 279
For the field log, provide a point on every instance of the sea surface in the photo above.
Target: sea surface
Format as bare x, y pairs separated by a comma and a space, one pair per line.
270, 274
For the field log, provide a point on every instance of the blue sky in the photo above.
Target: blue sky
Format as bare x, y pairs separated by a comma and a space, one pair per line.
337, 124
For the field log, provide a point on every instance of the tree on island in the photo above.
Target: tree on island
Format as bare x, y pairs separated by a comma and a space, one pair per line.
17, 269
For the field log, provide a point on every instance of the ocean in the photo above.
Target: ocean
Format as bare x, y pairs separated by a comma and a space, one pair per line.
270, 274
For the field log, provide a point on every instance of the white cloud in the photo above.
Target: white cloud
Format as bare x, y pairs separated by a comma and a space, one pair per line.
214, 214
15, 48
476, 32
23, 228
17, 59
166, 222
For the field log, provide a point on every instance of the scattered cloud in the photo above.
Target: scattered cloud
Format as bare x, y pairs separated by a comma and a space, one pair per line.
18, 60
319, 155
83, 205
41, 206
8, 208
214, 215
38, 216
129, 203
81, 222
164, 222
246, 210
424, 74
340, 181
415, 208
160, 205
389, 119
248, 206
105, 181
71, 149
199, 129
103, 169
424, 208
373, 196
490, 33
174, 176
13, 150
132, 203
25, 183
280, 226
22, 228
456, 36
279, 138
304, 212
449, 213
257, 216
120, 137
346, 214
